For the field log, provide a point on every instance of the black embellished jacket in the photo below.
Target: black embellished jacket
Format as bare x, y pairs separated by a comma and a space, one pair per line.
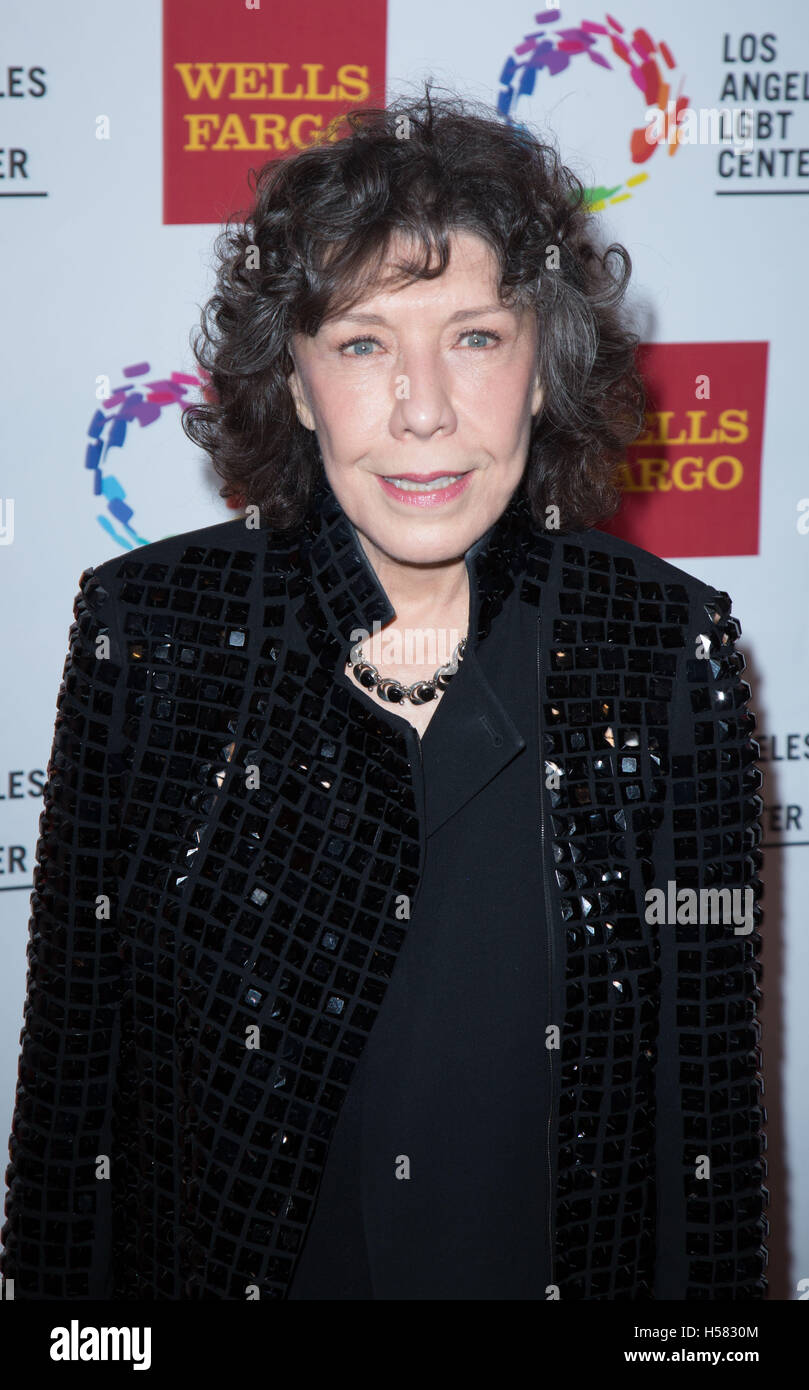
209, 949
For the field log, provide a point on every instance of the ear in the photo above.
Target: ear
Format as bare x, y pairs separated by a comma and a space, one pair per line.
302, 408
537, 397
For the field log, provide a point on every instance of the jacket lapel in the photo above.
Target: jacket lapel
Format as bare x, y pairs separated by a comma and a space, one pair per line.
337, 589
471, 739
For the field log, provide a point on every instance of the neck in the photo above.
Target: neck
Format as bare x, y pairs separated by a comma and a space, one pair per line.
432, 606
434, 593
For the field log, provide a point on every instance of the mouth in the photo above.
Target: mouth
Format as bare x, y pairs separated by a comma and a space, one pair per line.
425, 490
423, 482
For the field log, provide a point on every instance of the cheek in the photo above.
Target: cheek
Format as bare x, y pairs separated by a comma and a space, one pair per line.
350, 403
501, 399
335, 407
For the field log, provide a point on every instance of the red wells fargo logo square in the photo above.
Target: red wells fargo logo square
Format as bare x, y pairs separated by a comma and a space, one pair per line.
245, 85
691, 482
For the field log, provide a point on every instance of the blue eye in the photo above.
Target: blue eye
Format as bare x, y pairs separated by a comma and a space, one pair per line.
481, 333
470, 333
358, 342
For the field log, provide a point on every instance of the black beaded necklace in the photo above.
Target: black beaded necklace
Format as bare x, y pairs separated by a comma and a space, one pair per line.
392, 690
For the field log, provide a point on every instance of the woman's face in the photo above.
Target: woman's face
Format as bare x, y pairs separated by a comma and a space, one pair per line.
438, 383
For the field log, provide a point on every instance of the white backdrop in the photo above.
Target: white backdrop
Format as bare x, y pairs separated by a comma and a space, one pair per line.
95, 284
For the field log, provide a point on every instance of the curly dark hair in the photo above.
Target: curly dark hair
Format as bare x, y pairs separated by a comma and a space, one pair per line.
313, 243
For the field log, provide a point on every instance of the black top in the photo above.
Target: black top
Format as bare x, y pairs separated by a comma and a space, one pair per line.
274, 905
457, 1054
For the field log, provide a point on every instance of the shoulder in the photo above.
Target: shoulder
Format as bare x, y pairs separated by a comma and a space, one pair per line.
223, 546
633, 563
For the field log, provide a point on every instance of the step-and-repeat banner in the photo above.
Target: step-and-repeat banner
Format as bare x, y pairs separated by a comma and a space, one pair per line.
126, 137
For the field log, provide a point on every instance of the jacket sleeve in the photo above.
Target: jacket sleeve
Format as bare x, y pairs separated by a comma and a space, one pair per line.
57, 1235
710, 1140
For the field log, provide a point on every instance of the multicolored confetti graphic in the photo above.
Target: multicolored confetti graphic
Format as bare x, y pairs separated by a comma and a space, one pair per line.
141, 403
649, 65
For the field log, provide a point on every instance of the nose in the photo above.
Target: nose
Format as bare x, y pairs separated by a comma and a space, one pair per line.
421, 406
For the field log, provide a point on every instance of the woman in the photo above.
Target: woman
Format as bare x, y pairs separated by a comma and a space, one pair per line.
346, 975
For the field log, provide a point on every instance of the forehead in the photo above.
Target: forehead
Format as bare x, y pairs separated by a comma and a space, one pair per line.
471, 279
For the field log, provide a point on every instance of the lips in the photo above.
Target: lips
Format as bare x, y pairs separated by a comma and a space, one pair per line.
424, 477
430, 482
425, 489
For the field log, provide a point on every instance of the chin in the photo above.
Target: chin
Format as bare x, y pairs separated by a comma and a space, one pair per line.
425, 546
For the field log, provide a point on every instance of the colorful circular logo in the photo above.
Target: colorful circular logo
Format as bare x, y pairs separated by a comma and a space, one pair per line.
649, 66
140, 401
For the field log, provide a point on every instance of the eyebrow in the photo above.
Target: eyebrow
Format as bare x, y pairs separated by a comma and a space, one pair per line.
453, 318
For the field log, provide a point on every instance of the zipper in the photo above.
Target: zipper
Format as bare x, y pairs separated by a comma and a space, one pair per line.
412, 734
552, 992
